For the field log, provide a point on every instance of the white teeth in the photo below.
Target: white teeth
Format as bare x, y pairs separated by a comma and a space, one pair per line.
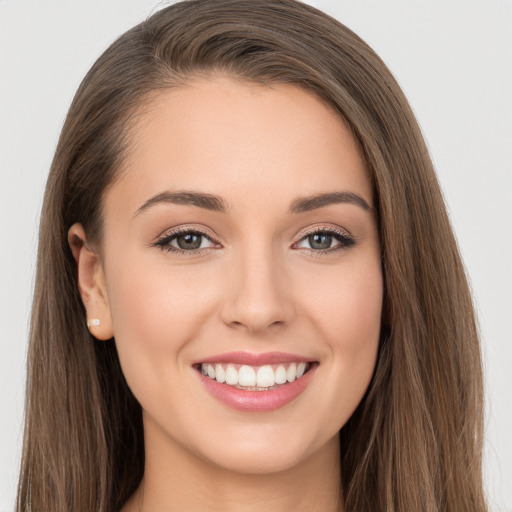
259, 378
231, 376
220, 374
246, 376
265, 377
280, 374
291, 373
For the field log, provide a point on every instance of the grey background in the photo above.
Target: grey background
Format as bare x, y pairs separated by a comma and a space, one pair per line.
454, 62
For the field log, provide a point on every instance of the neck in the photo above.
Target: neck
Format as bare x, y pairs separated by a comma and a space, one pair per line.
175, 479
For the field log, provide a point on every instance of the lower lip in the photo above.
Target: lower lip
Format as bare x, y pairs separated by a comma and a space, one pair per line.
257, 401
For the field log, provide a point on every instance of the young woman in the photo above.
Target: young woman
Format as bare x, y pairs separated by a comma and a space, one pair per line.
248, 292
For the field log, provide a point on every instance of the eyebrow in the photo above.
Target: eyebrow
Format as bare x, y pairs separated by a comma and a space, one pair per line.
306, 204
189, 198
218, 204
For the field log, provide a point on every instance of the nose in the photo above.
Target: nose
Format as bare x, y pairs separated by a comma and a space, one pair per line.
259, 293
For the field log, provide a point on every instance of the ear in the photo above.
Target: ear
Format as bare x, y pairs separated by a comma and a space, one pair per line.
91, 284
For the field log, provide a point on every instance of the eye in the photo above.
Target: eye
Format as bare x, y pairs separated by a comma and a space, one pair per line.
187, 240
325, 240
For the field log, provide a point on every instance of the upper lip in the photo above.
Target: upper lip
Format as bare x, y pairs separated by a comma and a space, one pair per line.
252, 359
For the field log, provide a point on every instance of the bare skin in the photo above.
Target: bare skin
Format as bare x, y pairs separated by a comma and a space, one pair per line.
227, 491
258, 282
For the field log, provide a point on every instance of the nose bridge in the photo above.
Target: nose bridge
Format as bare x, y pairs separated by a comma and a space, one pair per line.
256, 294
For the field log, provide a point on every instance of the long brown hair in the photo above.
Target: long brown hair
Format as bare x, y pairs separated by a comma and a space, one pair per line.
414, 443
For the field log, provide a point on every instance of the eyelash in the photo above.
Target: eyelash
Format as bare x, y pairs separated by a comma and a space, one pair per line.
164, 242
346, 241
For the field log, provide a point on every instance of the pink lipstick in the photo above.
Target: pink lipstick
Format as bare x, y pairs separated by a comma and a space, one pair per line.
255, 382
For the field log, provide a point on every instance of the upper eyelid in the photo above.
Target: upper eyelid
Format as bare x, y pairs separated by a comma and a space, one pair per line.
322, 228
203, 231
343, 236
186, 229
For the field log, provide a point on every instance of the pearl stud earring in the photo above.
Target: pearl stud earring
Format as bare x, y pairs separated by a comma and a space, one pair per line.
93, 322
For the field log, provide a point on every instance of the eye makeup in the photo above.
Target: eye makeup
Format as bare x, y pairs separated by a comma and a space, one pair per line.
320, 240
320, 236
171, 240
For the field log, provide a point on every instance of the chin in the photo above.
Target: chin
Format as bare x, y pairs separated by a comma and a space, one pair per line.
258, 462
267, 451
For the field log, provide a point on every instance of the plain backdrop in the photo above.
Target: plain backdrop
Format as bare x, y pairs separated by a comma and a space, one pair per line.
454, 62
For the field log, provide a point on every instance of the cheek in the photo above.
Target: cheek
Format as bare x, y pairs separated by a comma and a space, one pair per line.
348, 308
155, 312
348, 316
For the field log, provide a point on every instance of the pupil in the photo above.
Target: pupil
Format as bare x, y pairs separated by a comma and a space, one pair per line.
189, 241
320, 241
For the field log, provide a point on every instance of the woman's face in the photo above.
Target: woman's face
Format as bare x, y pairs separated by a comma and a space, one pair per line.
241, 233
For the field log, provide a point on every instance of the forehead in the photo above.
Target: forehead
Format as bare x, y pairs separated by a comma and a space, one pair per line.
242, 141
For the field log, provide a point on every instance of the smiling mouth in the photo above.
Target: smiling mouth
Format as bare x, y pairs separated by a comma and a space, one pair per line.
255, 378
